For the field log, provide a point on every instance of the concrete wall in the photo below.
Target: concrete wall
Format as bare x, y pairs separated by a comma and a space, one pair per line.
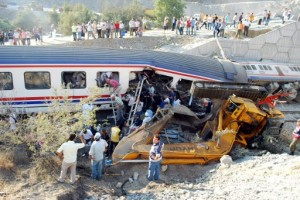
222, 8
280, 45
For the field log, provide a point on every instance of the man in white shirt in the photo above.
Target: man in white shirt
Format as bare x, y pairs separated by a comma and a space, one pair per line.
88, 136
68, 153
90, 30
97, 150
246, 27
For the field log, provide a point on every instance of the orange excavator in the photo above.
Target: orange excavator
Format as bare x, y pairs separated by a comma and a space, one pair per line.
239, 120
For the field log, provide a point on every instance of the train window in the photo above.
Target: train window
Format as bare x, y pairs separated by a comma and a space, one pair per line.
292, 69
269, 68
244, 67
295, 68
253, 67
248, 67
265, 67
260, 67
73, 79
101, 78
6, 81
298, 69
37, 80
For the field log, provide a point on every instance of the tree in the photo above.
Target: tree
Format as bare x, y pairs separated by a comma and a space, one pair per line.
25, 19
134, 10
74, 14
170, 8
45, 132
54, 17
5, 25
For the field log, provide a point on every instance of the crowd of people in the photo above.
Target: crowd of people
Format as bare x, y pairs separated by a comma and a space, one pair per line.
217, 24
136, 27
107, 29
21, 36
104, 139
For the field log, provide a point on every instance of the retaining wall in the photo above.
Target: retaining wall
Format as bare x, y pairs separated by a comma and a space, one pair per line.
280, 45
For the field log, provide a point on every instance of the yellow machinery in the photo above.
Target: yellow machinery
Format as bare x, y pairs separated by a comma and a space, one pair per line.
239, 120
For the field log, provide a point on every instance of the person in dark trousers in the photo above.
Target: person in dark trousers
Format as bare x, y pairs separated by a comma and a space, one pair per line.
114, 138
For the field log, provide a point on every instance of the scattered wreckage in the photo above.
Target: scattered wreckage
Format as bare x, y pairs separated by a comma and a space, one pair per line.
238, 120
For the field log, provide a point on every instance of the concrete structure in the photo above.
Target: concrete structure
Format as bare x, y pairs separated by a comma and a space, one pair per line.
280, 45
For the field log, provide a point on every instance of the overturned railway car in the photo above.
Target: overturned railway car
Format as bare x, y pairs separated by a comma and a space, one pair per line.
31, 76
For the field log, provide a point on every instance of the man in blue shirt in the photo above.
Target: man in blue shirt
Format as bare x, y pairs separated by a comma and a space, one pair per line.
155, 158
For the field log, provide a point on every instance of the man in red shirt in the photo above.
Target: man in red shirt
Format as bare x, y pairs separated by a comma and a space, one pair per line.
188, 26
117, 29
116, 85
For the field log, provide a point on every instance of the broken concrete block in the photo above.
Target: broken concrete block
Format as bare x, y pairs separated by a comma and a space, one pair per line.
164, 168
119, 184
135, 176
226, 160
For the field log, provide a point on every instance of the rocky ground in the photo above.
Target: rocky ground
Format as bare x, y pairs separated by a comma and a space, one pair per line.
253, 174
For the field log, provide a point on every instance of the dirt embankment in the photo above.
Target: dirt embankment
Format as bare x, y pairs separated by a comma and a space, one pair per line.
140, 43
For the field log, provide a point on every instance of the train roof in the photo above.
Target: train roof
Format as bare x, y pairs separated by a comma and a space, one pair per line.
188, 64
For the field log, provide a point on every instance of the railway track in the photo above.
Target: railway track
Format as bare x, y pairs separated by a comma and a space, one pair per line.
291, 111
291, 115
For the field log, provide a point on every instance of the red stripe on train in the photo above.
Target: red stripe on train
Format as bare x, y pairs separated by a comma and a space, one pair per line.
47, 98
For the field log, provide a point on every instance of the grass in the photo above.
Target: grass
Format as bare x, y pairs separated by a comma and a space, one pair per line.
6, 162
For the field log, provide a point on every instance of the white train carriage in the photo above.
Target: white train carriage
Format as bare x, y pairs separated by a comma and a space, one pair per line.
275, 76
30, 78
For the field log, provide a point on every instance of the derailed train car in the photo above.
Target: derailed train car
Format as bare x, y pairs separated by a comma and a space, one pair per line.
31, 76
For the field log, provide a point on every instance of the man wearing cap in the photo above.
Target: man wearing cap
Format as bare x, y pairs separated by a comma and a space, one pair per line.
296, 138
96, 153
147, 118
68, 152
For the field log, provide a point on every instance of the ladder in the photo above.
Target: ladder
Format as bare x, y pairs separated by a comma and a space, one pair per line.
114, 111
137, 98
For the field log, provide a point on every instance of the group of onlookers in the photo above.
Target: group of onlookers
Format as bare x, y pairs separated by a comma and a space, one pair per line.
218, 24
107, 29
21, 36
